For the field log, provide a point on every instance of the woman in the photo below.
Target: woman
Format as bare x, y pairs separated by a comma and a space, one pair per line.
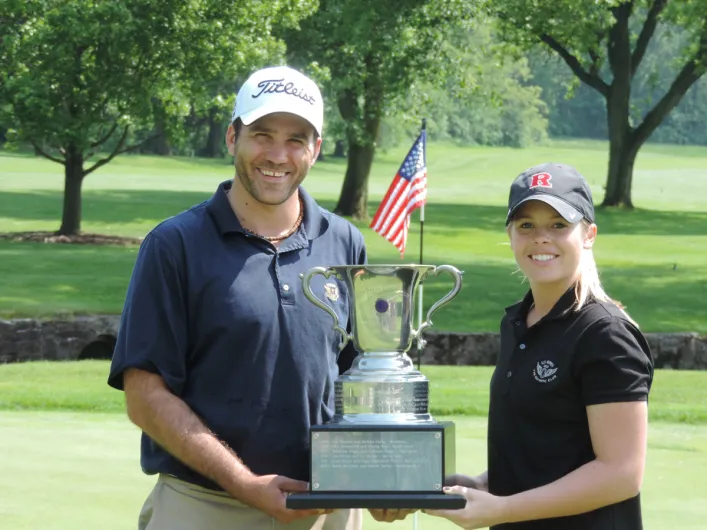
568, 413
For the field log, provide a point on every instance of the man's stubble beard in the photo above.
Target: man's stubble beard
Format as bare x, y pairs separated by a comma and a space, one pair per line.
249, 185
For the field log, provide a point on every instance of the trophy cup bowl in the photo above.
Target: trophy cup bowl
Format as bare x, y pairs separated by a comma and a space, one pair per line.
382, 448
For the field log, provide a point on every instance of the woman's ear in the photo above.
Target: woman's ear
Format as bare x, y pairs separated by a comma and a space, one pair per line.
590, 235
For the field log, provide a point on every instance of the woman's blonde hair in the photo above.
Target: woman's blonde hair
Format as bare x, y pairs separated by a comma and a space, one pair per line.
588, 283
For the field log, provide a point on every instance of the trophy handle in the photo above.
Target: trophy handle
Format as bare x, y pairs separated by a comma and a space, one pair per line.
321, 305
457, 275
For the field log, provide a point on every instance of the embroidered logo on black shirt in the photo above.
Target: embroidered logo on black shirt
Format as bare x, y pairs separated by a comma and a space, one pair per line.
545, 372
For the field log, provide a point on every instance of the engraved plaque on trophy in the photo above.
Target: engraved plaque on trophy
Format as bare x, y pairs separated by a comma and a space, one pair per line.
382, 448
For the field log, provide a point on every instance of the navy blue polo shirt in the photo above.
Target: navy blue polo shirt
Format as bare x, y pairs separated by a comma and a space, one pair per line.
221, 315
544, 379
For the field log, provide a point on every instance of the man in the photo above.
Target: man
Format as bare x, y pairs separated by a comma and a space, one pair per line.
223, 361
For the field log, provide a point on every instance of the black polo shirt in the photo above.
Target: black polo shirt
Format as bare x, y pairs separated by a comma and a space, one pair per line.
544, 379
221, 315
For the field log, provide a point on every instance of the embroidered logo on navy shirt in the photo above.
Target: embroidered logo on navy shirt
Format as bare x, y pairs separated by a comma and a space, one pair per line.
331, 291
545, 371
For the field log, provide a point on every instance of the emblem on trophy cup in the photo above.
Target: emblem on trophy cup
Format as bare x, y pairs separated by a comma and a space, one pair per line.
382, 448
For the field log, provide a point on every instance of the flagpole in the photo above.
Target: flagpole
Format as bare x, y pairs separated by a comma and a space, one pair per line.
419, 297
422, 232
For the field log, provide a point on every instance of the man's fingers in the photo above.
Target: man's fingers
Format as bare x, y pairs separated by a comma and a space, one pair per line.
291, 485
380, 515
386, 515
292, 515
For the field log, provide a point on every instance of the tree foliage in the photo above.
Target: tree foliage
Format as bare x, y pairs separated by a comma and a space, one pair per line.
374, 52
577, 110
487, 100
604, 43
76, 76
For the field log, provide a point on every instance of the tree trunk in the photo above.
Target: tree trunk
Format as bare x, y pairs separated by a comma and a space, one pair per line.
73, 178
161, 146
353, 200
215, 139
339, 151
618, 97
618, 187
622, 153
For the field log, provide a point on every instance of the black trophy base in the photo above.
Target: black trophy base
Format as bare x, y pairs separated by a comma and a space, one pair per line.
407, 501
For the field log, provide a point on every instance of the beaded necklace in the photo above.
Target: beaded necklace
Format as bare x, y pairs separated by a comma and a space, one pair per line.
275, 239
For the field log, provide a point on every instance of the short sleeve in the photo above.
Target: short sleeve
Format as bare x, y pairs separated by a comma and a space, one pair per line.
613, 363
360, 256
153, 327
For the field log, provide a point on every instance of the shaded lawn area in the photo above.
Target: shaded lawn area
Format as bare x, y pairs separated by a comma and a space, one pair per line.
652, 259
43, 280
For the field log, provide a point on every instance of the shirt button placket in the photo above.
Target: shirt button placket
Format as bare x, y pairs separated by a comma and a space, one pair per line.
287, 292
512, 366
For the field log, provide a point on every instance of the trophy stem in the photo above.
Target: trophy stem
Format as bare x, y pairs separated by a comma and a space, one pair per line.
382, 387
378, 363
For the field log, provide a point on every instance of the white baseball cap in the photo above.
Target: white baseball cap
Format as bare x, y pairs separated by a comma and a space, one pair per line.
279, 89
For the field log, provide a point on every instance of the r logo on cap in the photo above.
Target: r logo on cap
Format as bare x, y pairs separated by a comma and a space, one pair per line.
540, 180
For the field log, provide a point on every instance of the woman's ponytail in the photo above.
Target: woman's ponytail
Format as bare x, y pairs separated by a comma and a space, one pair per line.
588, 284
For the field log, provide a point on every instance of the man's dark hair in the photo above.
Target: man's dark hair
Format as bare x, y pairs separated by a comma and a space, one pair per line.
237, 124
237, 128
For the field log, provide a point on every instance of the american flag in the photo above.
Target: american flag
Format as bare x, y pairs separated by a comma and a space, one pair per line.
407, 192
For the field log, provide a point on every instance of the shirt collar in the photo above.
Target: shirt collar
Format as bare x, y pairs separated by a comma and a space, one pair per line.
218, 206
560, 310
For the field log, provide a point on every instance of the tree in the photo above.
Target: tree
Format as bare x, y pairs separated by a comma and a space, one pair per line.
78, 76
604, 43
374, 51
487, 100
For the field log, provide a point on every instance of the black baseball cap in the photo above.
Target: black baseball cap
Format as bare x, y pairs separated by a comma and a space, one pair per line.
558, 185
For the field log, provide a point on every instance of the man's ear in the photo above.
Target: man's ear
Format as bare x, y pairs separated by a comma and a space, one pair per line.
317, 148
231, 140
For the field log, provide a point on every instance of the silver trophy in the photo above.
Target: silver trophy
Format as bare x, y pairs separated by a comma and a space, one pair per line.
382, 448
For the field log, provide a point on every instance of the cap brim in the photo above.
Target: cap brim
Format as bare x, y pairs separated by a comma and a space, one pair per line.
569, 213
249, 117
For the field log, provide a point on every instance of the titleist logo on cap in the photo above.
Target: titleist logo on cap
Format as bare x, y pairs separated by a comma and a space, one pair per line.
270, 86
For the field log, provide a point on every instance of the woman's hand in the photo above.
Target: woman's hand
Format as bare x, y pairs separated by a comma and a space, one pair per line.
479, 482
482, 509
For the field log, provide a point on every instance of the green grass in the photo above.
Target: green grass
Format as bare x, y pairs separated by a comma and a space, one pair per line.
62, 429
677, 396
652, 259
64, 471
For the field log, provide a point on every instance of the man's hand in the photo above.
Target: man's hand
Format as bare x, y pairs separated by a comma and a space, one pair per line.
389, 515
268, 494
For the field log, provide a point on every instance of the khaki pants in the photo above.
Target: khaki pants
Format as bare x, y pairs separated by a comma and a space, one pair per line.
177, 505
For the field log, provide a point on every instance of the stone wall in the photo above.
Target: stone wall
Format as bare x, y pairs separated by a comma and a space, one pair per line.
89, 337
683, 351
93, 337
